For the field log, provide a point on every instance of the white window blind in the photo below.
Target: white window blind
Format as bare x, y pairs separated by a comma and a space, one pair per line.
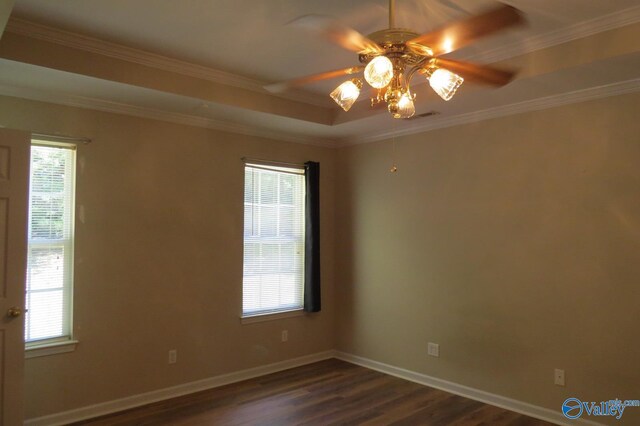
274, 227
50, 251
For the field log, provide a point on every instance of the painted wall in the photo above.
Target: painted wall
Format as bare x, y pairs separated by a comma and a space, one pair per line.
514, 243
159, 258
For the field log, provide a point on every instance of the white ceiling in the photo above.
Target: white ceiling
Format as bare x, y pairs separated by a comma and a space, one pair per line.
250, 38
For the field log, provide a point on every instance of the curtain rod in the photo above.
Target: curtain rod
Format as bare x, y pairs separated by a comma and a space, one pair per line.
271, 163
62, 138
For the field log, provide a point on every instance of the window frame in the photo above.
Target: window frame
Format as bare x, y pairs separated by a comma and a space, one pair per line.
66, 341
285, 312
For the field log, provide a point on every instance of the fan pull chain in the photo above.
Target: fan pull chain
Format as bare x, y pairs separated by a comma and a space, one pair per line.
393, 168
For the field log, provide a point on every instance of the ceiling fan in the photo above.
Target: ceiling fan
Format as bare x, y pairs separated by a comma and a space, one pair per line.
391, 57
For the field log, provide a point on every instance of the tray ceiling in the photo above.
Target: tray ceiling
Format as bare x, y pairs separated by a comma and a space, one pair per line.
250, 41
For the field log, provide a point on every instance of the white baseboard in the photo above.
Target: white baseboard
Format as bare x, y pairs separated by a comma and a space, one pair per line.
133, 401
126, 403
467, 392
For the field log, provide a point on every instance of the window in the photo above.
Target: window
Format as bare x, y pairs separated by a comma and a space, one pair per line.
50, 249
274, 239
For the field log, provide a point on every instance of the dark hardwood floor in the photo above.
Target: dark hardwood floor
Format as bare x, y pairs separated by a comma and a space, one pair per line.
330, 392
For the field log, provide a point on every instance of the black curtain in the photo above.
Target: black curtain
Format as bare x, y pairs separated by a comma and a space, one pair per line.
312, 238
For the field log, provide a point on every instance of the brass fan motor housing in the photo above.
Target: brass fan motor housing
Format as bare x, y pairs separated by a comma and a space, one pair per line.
393, 36
394, 43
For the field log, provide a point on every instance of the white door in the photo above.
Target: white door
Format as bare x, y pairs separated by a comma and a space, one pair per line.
14, 188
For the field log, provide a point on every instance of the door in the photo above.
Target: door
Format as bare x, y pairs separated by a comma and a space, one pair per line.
14, 189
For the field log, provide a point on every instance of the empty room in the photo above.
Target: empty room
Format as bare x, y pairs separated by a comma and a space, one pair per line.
339, 212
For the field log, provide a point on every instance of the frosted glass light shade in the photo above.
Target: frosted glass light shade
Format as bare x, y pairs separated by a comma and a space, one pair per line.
406, 107
445, 83
379, 72
346, 94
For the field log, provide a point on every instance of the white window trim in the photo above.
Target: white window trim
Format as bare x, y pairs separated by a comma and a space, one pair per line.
271, 316
49, 347
282, 167
67, 343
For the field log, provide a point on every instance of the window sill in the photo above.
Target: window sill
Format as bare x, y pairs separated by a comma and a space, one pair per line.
51, 348
271, 316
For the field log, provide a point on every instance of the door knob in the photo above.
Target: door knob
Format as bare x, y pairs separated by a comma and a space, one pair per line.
14, 312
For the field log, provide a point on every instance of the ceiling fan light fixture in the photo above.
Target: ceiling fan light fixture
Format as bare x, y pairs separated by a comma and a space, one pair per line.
391, 57
444, 82
379, 72
347, 93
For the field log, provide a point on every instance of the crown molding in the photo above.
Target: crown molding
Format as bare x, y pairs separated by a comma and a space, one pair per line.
432, 123
113, 50
154, 114
439, 122
562, 35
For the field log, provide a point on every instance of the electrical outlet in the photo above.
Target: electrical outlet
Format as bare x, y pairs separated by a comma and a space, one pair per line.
173, 356
285, 335
558, 377
433, 349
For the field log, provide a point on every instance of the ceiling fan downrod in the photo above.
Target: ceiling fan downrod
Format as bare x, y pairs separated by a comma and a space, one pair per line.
392, 14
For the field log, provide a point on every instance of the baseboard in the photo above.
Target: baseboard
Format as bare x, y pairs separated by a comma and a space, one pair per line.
133, 401
467, 392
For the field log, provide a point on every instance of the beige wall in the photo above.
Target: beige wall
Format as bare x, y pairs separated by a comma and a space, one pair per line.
514, 243
159, 258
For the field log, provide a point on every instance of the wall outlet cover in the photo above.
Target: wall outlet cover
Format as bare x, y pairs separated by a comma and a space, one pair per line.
433, 349
173, 356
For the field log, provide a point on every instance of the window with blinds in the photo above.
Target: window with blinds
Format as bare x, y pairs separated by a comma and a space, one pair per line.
50, 235
274, 199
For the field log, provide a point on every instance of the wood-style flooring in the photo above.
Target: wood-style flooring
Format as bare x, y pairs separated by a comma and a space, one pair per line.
330, 392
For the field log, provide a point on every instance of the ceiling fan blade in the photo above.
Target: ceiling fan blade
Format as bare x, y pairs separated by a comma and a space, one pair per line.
477, 73
460, 33
284, 85
337, 32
